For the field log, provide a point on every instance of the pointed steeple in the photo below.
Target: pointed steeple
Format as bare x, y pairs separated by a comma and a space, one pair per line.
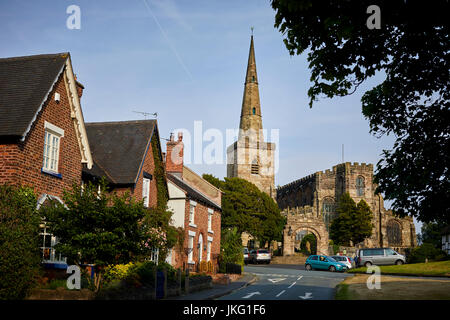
251, 108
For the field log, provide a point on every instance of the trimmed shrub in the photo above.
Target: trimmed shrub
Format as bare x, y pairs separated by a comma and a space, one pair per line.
19, 242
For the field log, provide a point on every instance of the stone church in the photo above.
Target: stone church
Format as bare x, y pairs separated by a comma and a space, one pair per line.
309, 204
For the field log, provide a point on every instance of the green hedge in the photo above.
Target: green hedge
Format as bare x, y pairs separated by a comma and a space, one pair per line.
19, 242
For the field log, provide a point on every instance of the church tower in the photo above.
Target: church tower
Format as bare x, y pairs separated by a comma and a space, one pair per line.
251, 158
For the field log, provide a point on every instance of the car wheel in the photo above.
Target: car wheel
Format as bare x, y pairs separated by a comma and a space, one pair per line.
332, 268
399, 262
308, 267
367, 264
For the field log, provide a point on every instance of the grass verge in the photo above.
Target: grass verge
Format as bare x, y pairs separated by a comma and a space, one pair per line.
393, 288
434, 269
343, 292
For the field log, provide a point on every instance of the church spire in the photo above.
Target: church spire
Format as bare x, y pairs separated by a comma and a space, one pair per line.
251, 109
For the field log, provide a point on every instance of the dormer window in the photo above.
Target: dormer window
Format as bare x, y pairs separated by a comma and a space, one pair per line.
52, 139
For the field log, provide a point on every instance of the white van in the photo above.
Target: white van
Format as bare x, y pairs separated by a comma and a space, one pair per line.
379, 256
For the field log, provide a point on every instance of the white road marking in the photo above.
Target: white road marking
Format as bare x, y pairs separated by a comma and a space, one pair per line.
308, 295
276, 280
299, 278
292, 285
281, 293
250, 295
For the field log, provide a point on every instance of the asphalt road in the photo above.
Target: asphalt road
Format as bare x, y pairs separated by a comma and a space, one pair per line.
288, 282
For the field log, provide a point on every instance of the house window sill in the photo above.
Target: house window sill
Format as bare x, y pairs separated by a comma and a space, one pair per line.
191, 262
53, 174
192, 225
210, 231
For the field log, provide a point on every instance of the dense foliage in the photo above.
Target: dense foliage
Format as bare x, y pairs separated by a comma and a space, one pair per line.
353, 223
230, 248
426, 251
97, 227
308, 245
431, 233
248, 209
412, 50
19, 241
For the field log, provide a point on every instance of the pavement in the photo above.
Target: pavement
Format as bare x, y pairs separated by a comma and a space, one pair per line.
218, 290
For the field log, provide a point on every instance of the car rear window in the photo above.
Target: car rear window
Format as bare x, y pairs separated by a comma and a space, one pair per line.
314, 258
263, 251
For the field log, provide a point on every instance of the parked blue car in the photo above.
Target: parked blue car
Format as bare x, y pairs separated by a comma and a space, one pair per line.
320, 262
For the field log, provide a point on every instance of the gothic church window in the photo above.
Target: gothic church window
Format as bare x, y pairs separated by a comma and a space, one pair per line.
254, 110
360, 186
394, 233
328, 211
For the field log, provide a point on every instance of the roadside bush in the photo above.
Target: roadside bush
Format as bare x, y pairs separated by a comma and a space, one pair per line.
426, 251
231, 249
19, 242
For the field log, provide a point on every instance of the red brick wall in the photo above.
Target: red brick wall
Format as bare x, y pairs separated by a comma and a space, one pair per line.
201, 221
21, 163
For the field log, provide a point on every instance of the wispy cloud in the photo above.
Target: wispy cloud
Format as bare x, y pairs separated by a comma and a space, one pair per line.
172, 47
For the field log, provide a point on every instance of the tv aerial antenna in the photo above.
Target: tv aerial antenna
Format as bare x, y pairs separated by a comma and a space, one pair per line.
146, 114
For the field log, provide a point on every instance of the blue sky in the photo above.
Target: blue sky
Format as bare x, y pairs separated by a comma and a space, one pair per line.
186, 60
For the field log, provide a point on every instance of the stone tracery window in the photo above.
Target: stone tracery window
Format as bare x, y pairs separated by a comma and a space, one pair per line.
360, 186
328, 211
394, 233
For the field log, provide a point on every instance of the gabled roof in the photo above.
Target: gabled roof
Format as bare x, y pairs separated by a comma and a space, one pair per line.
24, 85
119, 148
191, 192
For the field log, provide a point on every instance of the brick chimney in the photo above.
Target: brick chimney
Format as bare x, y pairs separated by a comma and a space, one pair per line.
80, 87
174, 155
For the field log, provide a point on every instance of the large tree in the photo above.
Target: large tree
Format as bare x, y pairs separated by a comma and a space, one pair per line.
248, 209
411, 48
97, 227
353, 223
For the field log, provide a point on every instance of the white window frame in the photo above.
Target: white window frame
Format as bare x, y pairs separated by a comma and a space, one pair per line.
192, 205
210, 216
191, 246
52, 254
52, 143
146, 191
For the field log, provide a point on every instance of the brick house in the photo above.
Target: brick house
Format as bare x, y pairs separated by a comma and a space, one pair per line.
123, 153
197, 209
43, 141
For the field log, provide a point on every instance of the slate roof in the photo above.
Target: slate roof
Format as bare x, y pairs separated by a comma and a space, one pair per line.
24, 85
191, 192
118, 148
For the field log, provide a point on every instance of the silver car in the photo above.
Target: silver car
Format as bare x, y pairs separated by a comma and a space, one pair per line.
379, 256
260, 256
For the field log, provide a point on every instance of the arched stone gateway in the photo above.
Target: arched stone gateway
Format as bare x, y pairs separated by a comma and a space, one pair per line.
299, 223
